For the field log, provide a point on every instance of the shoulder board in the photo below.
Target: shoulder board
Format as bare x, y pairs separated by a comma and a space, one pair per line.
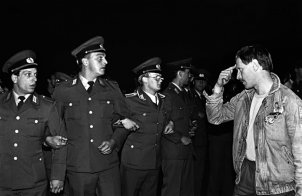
131, 94
46, 98
161, 95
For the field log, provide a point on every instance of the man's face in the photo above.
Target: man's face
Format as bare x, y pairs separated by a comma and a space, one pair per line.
154, 81
97, 63
245, 74
185, 76
25, 82
200, 84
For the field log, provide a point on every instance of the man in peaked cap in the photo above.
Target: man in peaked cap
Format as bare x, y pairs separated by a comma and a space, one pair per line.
95, 114
200, 142
26, 120
140, 157
177, 149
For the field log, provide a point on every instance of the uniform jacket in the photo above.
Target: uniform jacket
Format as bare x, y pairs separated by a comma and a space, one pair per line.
277, 135
89, 121
178, 110
21, 136
142, 147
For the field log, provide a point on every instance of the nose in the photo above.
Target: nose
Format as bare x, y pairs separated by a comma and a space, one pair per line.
238, 77
105, 61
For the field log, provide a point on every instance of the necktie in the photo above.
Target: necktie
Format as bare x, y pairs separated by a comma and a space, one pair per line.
20, 102
90, 86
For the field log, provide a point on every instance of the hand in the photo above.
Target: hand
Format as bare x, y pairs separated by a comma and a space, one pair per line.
129, 124
185, 140
225, 76
56, 186
107, 146
56, 142
169, 128
193, 127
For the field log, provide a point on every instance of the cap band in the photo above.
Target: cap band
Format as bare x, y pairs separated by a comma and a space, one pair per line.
90, 49
22, 64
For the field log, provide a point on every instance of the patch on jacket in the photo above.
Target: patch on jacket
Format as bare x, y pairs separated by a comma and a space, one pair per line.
131, 94
278, 110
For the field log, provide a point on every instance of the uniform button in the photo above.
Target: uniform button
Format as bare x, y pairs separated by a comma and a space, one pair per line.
91, 126
157, 123
15, 158
144, 114
108, 102
89, 99
155, 144
40, 159
18, 117
91, 140
36, 121
132, 146
15, 145
17, 131
90, 112
156, 134
70, 104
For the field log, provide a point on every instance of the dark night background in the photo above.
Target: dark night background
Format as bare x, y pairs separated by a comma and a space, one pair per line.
209, 31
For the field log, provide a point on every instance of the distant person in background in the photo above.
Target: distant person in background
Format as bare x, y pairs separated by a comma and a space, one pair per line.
55, 79
200, 138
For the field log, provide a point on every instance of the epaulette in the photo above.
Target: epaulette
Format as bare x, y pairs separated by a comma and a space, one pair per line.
48, 99
161, 95
131, 94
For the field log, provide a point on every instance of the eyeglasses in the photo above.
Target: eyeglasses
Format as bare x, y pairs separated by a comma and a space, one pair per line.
157, 78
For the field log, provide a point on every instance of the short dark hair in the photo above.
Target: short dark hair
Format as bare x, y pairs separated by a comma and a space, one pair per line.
258, 52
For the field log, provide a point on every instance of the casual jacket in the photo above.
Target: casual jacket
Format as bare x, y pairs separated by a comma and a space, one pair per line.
142, 147
277, 136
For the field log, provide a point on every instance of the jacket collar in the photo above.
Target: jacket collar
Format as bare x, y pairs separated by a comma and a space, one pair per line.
33, 98
275, 87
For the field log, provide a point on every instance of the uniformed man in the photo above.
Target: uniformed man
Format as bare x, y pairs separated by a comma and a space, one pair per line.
92, 107
55, 79
140, 157
177, 149
200, 140
26, 119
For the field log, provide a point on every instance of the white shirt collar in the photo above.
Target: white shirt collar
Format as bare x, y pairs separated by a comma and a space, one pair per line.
85, 81
18, 100
154, 98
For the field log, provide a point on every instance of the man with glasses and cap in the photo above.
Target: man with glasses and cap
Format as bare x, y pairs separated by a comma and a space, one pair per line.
26, 119
177, 149
95, 114
140, 157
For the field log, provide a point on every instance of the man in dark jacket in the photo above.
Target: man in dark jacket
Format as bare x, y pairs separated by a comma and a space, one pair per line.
26, 119
91, 106
177, 149
141, 158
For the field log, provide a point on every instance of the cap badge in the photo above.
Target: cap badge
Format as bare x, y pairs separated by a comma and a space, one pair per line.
157, 66
30, 60
201, 75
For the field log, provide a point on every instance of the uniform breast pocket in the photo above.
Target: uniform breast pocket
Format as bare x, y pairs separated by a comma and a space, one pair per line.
35, 126
106, 108
72, 110
178, 113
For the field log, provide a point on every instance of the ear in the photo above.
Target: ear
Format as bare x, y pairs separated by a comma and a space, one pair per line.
144, 79
256, 65
14, 78
179, 73
84, 61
